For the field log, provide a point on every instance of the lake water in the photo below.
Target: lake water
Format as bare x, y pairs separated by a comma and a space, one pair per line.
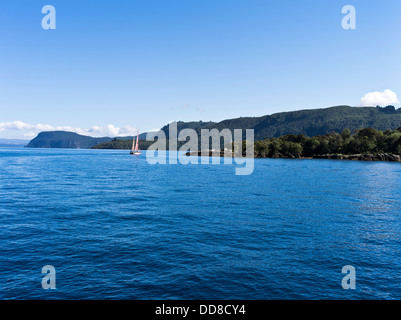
116, 227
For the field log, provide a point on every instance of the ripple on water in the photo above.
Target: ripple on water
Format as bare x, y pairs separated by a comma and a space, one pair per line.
118, 228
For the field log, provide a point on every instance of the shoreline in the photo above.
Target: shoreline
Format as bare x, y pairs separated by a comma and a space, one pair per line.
385, 157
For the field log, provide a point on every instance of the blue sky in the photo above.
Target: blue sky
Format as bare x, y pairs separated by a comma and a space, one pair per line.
140, 64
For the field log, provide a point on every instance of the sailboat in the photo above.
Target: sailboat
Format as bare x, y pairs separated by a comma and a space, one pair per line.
135, 146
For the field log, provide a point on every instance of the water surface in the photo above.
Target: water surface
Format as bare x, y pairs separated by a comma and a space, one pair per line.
116, 227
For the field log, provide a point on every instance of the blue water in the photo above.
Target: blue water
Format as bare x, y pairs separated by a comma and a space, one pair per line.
116, 227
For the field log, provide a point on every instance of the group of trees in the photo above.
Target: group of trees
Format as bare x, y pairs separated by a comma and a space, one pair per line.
122, 144
364, 141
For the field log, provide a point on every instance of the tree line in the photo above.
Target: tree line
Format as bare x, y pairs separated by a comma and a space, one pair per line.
364, 141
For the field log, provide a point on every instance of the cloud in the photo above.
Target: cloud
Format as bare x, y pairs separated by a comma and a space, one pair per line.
385, 98
28, 130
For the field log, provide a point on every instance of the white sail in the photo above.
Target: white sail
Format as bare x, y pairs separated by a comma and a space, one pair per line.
133, 144
137, 142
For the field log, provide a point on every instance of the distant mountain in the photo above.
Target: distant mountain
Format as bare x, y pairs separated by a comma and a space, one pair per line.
13, 143
64, 139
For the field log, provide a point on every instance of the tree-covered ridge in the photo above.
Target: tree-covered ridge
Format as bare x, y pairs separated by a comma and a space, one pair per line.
122, 144
365, 141
308, 122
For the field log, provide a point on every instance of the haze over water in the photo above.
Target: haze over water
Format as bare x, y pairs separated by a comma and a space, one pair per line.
116, 227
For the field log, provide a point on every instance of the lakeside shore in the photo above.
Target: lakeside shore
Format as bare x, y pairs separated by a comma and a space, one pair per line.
354, 157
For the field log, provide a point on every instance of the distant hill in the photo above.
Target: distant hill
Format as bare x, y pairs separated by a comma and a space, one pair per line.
64, 139
308, 122
322, 121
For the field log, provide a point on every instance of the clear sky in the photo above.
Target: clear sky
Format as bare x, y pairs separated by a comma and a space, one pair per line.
143, 63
